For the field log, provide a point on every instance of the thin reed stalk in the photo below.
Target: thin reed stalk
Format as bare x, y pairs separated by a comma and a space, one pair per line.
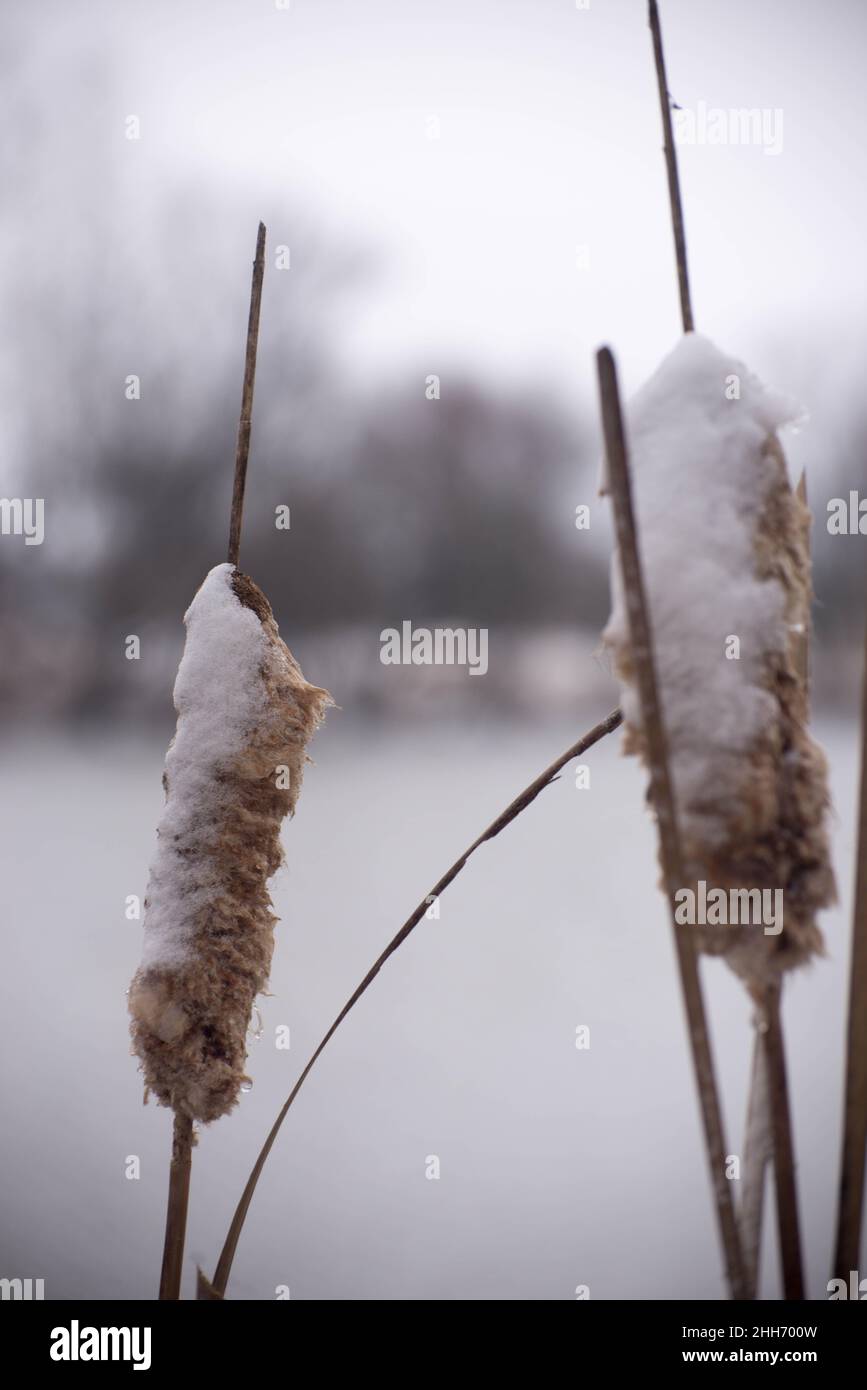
854, 1147
242, 450
176, 1211
671, 169
662, 794
785, 1190
182, 1132
758, 1154
224, 1267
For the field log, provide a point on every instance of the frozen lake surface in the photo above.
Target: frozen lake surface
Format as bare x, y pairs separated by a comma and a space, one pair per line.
558, 1166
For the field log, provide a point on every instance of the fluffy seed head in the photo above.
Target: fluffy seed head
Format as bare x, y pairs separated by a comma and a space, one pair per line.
724, 544
233, 772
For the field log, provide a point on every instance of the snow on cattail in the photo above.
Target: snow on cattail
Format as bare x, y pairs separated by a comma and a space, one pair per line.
724, 546
233, 772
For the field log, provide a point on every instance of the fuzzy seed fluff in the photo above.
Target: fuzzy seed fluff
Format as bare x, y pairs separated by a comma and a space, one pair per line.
233, 772
725, 555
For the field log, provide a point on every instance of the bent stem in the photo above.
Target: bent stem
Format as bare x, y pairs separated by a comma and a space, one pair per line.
662, 795
176, 1211
520, 803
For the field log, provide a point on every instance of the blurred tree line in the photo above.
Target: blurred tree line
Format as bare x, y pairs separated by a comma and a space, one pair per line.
459, 509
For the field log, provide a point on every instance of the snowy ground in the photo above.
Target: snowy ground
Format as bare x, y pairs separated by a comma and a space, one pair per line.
559, 1167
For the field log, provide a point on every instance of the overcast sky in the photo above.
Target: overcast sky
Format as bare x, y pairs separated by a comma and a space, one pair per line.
549, 140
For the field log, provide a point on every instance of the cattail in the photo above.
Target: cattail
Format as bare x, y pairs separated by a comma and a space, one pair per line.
233, 772
724, 543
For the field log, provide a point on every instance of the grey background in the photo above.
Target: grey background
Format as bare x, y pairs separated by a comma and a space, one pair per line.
410, 256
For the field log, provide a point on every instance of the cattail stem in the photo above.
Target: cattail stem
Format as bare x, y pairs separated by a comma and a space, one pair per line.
662, 794
176, 1211
182, 1132
758, 1153
671, 169
788, 1224
852, 1161
520, 803
242, 450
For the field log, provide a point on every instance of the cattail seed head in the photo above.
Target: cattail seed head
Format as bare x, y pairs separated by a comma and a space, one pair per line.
244, 710
724, 543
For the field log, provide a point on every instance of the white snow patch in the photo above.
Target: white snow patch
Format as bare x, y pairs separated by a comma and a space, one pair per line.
219, 696
698, 481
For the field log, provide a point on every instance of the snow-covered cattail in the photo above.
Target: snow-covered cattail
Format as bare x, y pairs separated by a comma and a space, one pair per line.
724, 546
233, 772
